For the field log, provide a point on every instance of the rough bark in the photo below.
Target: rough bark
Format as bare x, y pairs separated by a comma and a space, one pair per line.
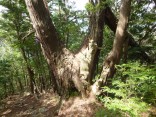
77, 68
62, 62
66, 66
89, 52
45, 32
114, 56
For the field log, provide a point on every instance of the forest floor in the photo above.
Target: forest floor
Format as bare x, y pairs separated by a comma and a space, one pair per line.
48, 105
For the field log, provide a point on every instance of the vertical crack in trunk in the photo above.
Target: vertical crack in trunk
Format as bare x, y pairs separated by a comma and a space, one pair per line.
89, 53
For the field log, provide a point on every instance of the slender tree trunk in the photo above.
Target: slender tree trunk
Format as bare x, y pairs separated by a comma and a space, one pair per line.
120, 35
42, 83
31, 76
29, 70
114, 56
24, 78
40, 68
111, 21
11, 85
5, 89
20, 84
19, 80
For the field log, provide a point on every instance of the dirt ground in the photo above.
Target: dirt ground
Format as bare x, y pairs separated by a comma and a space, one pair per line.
47, 105
50, 105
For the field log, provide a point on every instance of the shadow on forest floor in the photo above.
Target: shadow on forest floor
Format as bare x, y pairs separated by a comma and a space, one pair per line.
29, 106
47, 105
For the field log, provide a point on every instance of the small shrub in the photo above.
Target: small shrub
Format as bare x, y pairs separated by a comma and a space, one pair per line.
132, 91
103, 112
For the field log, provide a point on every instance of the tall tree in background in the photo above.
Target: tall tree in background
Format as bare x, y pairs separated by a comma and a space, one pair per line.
78, 67
16, 29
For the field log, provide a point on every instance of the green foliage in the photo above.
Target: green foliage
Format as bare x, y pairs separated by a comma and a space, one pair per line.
107, 45
94, 8
108, 41
90, 7
10, 64
19, 47
5, 69
104, 112
71, 24
142, 25
132, 90
128, 106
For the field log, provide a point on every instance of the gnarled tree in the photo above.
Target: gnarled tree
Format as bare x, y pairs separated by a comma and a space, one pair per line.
77, 67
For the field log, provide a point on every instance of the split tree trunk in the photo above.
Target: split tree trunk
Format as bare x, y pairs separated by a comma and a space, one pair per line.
114, 56
79, 68
67, 67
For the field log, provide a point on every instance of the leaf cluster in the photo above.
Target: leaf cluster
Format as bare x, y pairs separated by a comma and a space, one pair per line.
132, 89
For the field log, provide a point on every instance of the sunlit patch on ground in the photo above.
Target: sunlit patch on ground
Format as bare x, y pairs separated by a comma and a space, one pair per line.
28, 105
77, 107
49, 105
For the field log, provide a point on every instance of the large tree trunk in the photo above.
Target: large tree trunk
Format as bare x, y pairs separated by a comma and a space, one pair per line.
67, 67
114, 56
61, 61
78, 68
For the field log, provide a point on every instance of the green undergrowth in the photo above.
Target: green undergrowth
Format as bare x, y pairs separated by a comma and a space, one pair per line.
132, 92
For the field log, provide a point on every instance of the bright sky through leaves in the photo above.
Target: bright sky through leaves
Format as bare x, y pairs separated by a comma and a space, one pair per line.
79, 4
